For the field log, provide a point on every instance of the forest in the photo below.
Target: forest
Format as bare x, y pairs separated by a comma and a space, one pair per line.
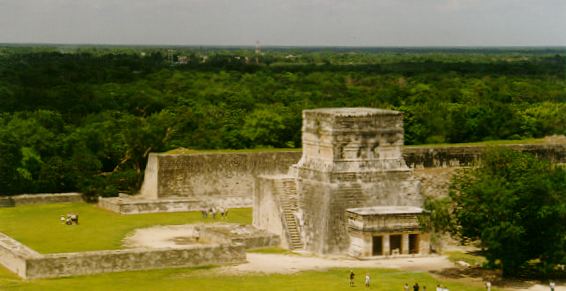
86, 118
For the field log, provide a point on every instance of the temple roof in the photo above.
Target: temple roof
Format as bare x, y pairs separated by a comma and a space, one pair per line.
353, 111
386, 210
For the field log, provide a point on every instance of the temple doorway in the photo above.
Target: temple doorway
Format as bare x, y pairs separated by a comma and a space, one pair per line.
413, 243
395, 244
377, 249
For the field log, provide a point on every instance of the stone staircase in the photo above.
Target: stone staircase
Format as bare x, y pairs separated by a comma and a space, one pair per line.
287, 193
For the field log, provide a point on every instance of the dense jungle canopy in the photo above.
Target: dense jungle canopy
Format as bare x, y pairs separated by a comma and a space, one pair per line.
85, 118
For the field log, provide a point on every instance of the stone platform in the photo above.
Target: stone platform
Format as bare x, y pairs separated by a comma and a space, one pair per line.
135, 205
159, 247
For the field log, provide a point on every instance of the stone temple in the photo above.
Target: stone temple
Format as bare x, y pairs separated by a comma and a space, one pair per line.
350, 193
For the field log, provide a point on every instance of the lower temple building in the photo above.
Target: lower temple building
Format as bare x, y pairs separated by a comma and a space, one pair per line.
386, 231
351, 192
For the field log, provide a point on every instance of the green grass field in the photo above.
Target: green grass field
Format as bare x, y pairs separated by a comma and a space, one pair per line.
38, 226
207, 278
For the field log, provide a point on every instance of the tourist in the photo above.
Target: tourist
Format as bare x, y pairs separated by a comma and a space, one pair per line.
367, 280
552, 286
416, 287
197, 234
424, 288
222, 212
352, 275
74, 218
214, 213
438, 288
488, 286
203, 213
406, 287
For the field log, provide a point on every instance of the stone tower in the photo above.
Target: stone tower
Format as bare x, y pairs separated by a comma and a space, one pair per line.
352, 157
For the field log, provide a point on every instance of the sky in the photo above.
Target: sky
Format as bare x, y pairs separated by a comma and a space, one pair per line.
286, 22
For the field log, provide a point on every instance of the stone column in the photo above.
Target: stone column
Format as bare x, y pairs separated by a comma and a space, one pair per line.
386, 247
405, 244
368, 245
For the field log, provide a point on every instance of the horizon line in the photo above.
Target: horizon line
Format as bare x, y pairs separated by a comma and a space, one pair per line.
287, 46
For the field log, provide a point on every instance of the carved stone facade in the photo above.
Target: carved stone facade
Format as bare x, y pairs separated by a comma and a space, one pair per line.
352, 158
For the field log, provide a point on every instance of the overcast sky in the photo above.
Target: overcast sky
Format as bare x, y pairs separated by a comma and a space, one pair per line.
286, 22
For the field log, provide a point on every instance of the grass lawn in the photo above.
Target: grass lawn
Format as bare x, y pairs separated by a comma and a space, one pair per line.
38, 226
208, 278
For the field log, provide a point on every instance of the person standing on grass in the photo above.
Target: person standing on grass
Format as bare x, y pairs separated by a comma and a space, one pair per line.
352, 275
488, 286
406, 287
367, 280
438, 288
416, 287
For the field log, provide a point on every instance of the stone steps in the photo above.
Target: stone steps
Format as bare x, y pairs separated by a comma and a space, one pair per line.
287, 192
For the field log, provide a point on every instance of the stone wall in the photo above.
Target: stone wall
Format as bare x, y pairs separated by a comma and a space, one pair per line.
230, 176
464, 156
135, 206
221, 175
13, 255
29, 264
245, 235
27, 199
68, 264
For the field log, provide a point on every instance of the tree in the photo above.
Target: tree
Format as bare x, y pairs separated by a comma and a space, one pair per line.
264, 127
515, 204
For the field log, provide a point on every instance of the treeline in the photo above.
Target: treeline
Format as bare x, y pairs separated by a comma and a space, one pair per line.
85, 119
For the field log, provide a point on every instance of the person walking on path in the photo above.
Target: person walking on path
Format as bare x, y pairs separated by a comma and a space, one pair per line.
352, 275
367, 280
552, 286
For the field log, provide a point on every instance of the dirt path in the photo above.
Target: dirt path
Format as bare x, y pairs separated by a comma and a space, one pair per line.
286, 264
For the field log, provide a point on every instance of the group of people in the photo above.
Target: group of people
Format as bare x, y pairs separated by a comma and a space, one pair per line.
353, 275
416, 287
70, 218
406, 287
212, 211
